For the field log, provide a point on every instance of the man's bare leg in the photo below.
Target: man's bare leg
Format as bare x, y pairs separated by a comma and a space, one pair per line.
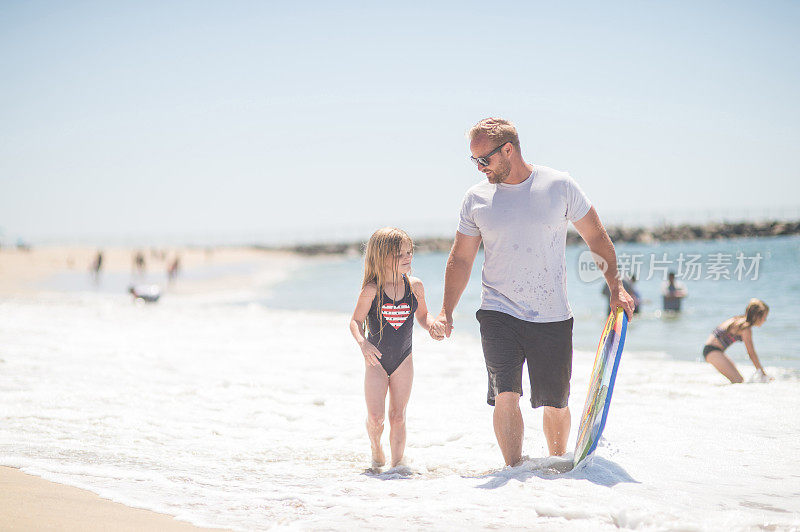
399, 392
556, 424
508, 426
376, 383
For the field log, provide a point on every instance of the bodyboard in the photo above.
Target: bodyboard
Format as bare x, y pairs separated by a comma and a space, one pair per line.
601, 385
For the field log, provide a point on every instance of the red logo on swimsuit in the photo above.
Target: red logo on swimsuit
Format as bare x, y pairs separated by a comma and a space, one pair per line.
395, 315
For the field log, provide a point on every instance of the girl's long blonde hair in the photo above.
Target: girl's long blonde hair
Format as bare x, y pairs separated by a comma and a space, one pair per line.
756, 309
385, 243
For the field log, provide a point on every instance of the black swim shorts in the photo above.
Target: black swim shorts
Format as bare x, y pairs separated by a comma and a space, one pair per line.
508, 342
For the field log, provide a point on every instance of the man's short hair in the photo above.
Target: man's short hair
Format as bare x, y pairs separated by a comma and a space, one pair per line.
496, 129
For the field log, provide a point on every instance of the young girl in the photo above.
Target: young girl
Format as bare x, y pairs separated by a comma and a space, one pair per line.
388, 301
732, 330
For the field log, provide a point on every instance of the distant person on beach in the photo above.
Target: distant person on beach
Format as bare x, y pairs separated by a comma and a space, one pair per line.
521, 212
388, 302
172, 270
673, 292
139, 263
733, 330
145, 293
97, 266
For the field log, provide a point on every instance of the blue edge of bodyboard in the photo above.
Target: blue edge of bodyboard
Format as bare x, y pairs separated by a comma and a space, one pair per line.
617, 357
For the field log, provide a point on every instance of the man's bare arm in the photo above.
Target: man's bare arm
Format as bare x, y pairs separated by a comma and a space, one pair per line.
456, 276
594, 234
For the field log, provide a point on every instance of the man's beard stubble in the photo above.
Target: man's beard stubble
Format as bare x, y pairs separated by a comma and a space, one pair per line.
501, 174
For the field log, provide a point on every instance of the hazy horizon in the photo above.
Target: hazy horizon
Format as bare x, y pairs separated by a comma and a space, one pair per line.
361, 232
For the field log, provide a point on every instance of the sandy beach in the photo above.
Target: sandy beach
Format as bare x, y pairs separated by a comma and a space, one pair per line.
21, 270
31, 503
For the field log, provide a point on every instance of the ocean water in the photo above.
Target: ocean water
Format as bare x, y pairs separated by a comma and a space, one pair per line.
244, 409
333, 285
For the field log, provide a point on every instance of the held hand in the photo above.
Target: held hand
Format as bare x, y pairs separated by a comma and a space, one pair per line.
371, 353
442, 327
436, 331
620, 298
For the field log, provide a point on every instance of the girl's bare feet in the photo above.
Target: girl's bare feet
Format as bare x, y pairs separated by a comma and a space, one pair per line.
378, 458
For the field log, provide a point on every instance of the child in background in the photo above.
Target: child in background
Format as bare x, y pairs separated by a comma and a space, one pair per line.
733, 330
388, 301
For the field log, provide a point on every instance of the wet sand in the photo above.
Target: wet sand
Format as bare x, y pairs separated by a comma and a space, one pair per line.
31, 503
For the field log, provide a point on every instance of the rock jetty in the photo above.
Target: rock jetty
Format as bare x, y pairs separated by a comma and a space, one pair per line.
666, 233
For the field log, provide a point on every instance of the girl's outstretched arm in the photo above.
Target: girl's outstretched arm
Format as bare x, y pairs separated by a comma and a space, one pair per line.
424, 318
747, 338
370, 352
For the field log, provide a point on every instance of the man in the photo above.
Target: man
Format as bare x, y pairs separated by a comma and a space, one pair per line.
521, 212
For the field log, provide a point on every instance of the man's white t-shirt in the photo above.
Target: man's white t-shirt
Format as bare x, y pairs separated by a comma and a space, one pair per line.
524, 231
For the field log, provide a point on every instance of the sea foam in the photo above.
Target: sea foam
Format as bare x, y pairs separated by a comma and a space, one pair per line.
244, 417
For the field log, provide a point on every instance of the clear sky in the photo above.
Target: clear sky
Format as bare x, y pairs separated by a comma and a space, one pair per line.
256, 120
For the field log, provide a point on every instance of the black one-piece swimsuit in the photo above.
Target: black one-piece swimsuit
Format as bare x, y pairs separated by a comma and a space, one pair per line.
396, 317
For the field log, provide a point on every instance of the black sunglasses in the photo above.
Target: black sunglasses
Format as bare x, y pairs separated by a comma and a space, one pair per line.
484, 161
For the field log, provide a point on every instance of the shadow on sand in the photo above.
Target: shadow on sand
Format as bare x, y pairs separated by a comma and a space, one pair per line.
595, 469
